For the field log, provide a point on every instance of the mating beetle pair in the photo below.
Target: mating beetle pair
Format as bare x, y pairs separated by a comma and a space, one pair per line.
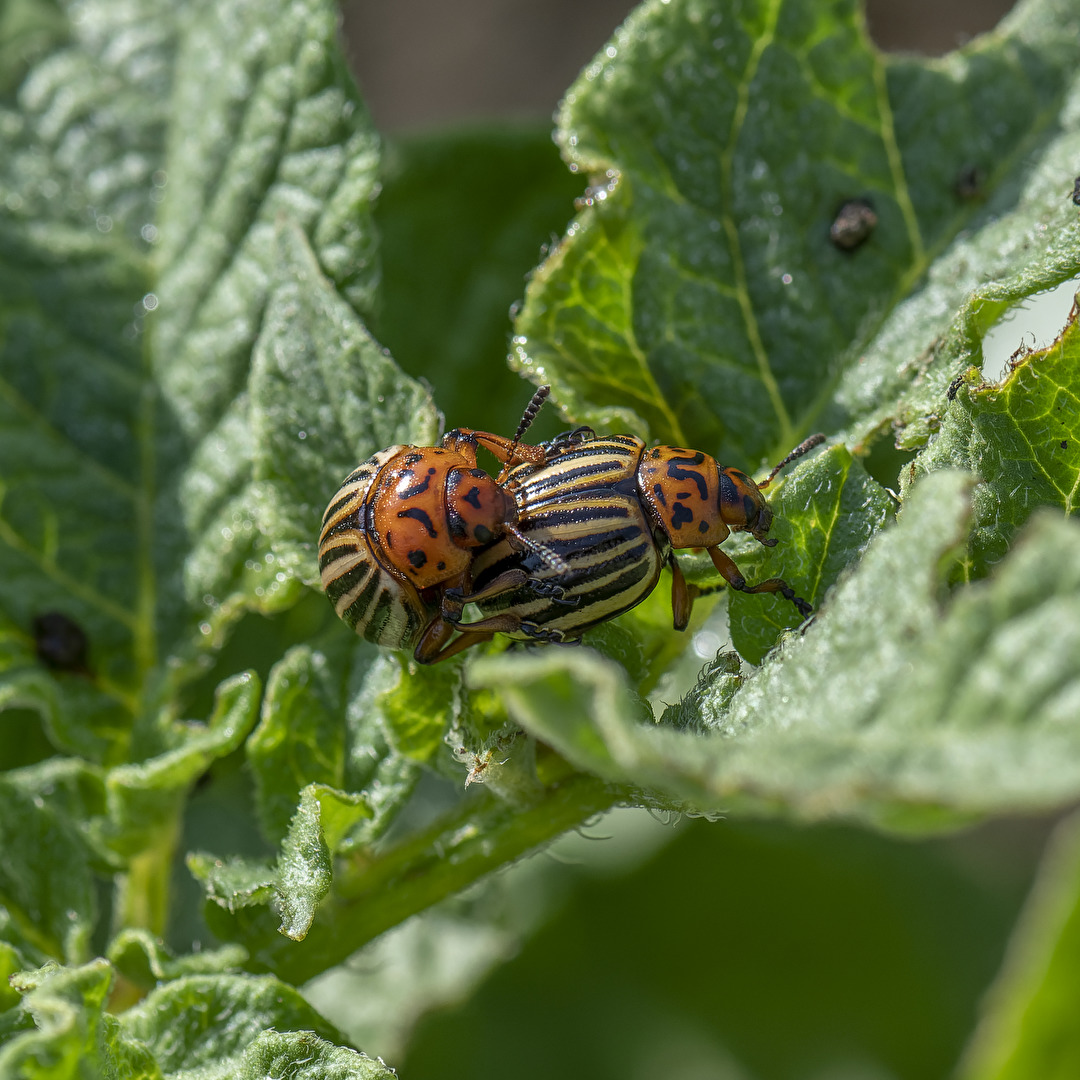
574, 532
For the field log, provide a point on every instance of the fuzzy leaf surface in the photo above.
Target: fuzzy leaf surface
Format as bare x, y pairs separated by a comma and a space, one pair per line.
895, 706
699, 299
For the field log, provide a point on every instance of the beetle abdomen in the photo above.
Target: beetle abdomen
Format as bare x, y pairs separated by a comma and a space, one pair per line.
366, 595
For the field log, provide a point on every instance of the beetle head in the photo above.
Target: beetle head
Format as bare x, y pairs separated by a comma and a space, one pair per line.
743, 507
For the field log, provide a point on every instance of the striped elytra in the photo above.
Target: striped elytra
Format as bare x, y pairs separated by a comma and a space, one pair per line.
583, 507
398, 537
366, 593
613, 512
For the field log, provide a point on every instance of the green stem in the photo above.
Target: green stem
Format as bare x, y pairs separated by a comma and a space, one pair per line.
371, 894
143, 892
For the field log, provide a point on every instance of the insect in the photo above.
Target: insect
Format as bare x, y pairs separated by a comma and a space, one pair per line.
853, 224
614, 511
397, 540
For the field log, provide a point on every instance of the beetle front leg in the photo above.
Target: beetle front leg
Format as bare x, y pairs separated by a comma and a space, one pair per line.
733, 576
683, 594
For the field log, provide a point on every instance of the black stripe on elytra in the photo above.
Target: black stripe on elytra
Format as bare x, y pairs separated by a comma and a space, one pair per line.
579, 616
551, 517
380, 614
355, 612
421, 516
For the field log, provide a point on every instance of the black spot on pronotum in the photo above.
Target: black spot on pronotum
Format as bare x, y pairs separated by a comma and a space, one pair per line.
749, 508
412, 459
482, 533
473, 498
417, 558
853, 224
421, 516
703, 526
677, 473
680, 516
440, 566
60, 642
417, 488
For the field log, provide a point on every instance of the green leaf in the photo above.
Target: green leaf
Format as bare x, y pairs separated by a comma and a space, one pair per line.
1022, 438
462, 215
144, 799
209, 1022
305, 1056
233, 883
1029, 1022
71, 1035
46, 882
418, 706
827, 510
300, 739
146, 961
699, 298
305, 869
895, 706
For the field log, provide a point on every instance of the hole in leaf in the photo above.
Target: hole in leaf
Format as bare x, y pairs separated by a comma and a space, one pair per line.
1032, 324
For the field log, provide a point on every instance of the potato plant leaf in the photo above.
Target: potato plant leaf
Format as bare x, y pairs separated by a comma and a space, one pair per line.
699, 299
1028, 1026
1021, 437
897, 705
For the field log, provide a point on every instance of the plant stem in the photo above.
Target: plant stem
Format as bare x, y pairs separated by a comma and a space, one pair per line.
371, 894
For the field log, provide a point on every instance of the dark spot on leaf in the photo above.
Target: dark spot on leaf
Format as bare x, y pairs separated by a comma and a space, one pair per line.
969, 183
853, 224
1064, 444
60, 642
1076, 191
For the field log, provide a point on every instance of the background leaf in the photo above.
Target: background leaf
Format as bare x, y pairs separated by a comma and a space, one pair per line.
699, 298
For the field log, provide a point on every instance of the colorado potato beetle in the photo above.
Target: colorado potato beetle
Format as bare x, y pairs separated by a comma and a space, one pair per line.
614, 511
398, 538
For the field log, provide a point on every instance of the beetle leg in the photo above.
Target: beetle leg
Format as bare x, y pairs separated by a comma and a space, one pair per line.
684, 594
508, 451
682, 601
434, 655
733, 576
455, 597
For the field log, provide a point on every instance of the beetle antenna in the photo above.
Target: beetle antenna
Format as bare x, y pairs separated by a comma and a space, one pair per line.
803, 448
529, 415
545, 555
